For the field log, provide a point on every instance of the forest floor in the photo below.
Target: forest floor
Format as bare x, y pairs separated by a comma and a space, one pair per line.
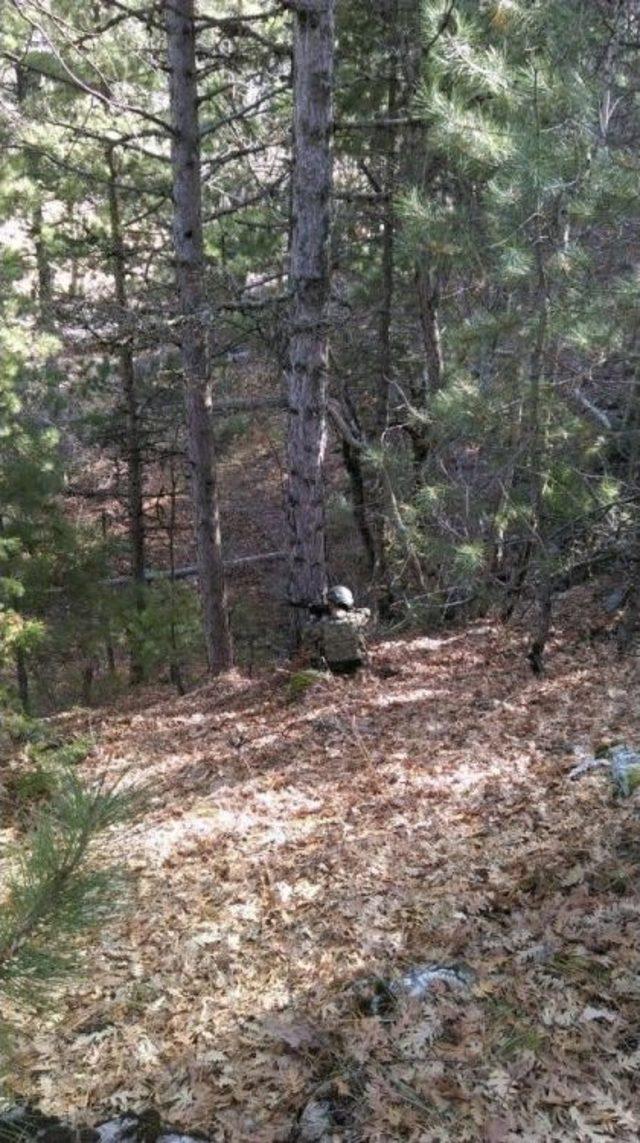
294, 849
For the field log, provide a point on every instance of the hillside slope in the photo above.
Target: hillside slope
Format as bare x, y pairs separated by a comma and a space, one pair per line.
294, 849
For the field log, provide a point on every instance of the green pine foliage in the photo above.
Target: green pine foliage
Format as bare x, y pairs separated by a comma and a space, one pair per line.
486, 198
518, 185
167, 629
56, 890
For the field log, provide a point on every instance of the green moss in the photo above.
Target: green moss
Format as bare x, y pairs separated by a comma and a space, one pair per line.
578, 967
68, 754
520, 1038
300, 681
633, 778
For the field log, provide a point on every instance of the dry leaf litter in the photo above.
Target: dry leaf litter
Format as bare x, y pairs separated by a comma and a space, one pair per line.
298, 857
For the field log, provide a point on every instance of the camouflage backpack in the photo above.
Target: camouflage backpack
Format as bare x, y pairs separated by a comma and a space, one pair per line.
342, 637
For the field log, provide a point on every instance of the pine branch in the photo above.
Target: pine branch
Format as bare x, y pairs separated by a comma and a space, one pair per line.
53, 894
64, 74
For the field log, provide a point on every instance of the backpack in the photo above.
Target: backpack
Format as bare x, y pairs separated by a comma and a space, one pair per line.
342, 639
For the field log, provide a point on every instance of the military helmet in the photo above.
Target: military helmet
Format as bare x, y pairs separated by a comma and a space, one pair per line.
341, 596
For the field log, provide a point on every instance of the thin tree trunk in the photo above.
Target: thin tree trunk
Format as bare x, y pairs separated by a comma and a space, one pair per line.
87, 683
135, 504
43, 266
403, 533
357, 444
353, 465
535, 386
542, 627
381, 487
387, 275
629, 623
313, 48
22, 678
428, 300
108, 641
418, 173
427, 293
174, 665
44, 273
536, 449
189, 252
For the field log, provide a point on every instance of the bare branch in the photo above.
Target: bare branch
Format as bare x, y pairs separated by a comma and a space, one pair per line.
590, 409
243, 113
191, 571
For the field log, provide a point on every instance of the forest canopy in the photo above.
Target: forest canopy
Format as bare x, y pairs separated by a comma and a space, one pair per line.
381, 257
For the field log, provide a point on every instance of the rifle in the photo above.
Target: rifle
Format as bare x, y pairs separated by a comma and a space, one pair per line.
317, 610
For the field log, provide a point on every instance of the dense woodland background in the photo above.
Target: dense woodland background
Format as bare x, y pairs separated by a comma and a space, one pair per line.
293, 294
474, 315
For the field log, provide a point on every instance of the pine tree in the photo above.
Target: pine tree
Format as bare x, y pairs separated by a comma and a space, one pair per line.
189, 248
484, 390
310, 285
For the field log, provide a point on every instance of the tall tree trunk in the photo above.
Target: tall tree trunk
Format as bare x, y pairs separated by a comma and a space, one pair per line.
382, 487
189, 252
417, 170
419, 174
135, 504
313, 47
388, 241
533, 541
629, 622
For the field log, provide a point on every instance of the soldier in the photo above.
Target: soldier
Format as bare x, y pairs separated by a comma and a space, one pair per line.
335, 634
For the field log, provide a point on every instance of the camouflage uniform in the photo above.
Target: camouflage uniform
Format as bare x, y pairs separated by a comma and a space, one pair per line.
337, 639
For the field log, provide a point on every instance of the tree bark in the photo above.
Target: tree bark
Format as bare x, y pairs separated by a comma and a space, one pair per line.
313, 48
22, 678
380, 484
108, 641
428, 299
387, 274
175, 673
544, 601
189, 252
533, 541
419, 174
43, 266
353, 464
135, 504
44, 270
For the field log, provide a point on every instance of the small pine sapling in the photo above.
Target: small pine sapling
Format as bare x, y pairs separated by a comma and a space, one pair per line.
55, 892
